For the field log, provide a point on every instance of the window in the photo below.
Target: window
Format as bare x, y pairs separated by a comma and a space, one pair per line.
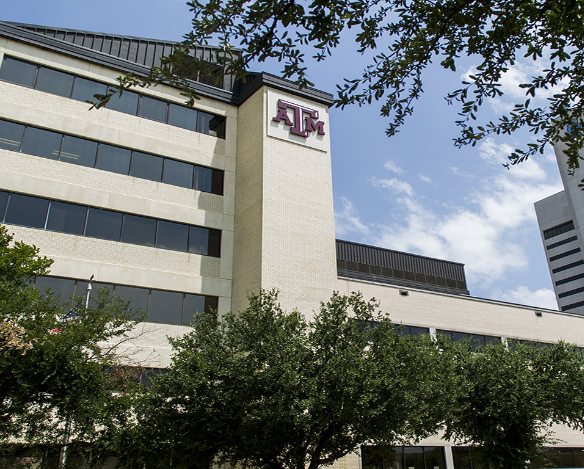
166, 307
564, 254
67, 218
411, 457
172, 236
139, 230
83, 89
18, 71
476, 340
114, 159
42, 143
558, 230
146, 166
160, 306
127, 102
561, 243
181, 116
11, 135
78, 151
178, 174
567, 266
153, 109
103, 224
63, 288
28, 211
55, 82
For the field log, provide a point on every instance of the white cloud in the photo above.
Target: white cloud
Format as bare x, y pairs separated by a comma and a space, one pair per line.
521, 72
396, 185
483, 231
425, 178
392, 166
347, 221
543, 298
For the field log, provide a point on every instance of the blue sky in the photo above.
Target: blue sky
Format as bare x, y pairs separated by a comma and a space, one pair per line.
413, 192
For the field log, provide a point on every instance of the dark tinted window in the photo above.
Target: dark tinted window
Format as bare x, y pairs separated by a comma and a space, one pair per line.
211, 125
199, 240
41, 143
181, 116
18, 72
84, 89
153, 109
27, 211
139, 230
214, 243
66, 218
178, 174
55, 82
217, 182
78, 151
3, 200
11, 135
203, 179
127, 102
146, 166
193, 303
61, 287
138, 297
172, 236
114, 159
165, 307
104, 224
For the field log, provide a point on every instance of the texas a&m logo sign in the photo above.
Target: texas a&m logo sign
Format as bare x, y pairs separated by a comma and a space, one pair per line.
296, 121
305, 120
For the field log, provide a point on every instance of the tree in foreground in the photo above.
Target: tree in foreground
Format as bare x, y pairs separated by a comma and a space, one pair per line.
267, 389
405, 38
510, 396
53, 389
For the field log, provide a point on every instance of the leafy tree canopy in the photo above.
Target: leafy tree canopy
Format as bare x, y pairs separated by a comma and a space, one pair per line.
510, 396
404, 37
53, 389
268, 389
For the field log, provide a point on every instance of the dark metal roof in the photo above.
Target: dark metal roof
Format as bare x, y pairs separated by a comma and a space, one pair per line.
364, 262
382, 257
138, 55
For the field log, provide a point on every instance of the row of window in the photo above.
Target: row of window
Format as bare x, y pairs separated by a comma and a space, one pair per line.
84, 152
572, 306
564, 254
160, 306
402, 457
476, 340
562, 242
558, 230
569, 279
82, 89
464, 457
63, 217
567, 266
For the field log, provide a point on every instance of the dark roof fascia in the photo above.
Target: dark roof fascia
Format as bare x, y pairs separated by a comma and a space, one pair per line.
121, 36
73, 50
281, 84
401, 252
349, 274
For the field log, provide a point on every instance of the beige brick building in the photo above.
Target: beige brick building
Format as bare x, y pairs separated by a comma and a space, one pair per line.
180, 209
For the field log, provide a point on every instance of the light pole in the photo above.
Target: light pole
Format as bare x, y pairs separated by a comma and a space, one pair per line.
63, 453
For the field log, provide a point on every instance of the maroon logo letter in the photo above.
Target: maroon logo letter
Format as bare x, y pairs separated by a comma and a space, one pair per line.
305, 119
